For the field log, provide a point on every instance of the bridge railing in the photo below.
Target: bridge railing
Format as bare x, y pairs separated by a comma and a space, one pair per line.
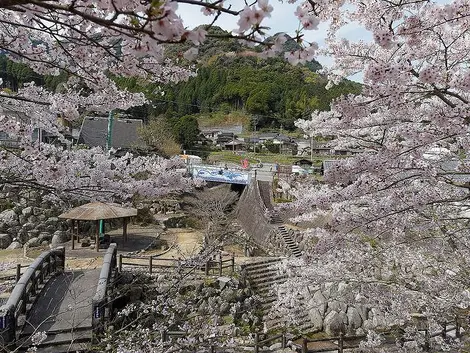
48, 263
100, 300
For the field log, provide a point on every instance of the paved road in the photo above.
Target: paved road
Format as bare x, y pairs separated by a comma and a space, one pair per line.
264, 173
65, 303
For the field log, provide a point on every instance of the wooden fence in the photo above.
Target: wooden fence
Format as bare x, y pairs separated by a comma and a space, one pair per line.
342, 342
15, 276
338, 343
214, 266
268, 341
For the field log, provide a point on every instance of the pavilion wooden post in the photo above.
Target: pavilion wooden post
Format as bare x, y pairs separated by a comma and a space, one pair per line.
97, 235
73, 234
124, 228
78, 232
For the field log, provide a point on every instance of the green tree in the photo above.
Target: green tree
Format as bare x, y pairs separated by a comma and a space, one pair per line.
157, 134
186, 131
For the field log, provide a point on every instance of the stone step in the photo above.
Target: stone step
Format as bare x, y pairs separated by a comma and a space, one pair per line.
276, 324
261, 287
263, 276
259, 263
290, 242
259, 272
79, 338
65, 348
271, 283
261, 268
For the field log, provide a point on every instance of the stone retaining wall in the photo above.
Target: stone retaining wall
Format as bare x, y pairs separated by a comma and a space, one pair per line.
251, 215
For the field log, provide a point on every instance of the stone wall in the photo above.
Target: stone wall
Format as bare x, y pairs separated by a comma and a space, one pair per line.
331, 310
26, 220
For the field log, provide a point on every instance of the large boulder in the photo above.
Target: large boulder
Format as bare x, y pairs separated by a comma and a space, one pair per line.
22, 235
15, 245
334, 323
32, 243
9, 217
5, 241
37, 211
32, 219
354, 319
59, 237
27, 211
28, 226
52, 221
363, 310
44, 236
316, 318
41, 227
319, 301
338, 306
22, 219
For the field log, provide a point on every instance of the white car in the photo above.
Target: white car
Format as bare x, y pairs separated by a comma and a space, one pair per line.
298, 170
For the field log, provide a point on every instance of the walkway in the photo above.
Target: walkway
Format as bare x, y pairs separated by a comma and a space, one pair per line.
63, 310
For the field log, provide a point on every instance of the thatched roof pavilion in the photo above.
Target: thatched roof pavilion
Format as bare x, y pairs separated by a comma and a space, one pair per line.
96, 211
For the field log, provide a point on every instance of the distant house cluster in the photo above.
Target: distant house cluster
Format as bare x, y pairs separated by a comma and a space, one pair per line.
273, 141
38, 134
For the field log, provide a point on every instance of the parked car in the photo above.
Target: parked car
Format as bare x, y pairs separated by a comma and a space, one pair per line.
298, 170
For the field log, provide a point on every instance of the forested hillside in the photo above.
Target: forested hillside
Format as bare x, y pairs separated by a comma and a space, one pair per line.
273, 91
230, 77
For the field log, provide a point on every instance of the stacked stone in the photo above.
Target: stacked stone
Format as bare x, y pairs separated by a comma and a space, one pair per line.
29, 223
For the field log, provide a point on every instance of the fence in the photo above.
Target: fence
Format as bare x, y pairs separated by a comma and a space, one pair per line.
47, 264
342, 342
261, 343
167, 335
155, 262
15, 276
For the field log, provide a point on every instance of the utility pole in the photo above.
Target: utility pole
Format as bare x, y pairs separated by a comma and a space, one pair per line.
110, 131
109, 137
311, 148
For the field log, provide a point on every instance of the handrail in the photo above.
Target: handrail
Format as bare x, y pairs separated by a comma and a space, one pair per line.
49, 262
210, 264
342, 338
100, 299
260, 343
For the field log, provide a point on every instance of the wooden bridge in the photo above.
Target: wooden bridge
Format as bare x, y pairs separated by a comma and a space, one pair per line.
57, 310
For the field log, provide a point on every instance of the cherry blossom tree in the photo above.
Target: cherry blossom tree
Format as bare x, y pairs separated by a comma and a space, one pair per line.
91, 43
396, 227
395, 219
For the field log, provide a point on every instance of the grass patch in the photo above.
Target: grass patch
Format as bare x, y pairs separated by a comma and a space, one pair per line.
219, 119
265, 157
281, 200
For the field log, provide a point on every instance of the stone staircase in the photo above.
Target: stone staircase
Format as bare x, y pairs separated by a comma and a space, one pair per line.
78, 340
261, 276
286, 235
